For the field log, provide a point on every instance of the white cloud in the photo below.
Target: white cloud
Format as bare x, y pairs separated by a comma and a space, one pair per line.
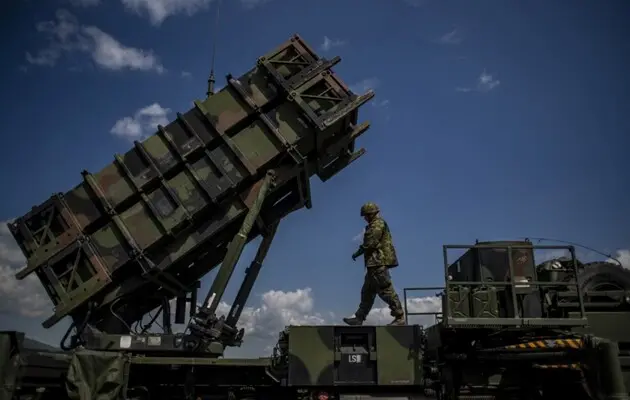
142, 123
85, 3
277, 310
26, 297
65, 35
111, 54
623, 256
365, 85
186, 74
451, 37
159, 10
485, 83
331, 43
429, 304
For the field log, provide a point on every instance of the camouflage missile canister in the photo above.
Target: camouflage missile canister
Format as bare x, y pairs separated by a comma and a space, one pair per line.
160, 216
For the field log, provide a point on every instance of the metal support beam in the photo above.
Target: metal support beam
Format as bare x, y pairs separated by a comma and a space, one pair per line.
235, 248
251, 274
207, 332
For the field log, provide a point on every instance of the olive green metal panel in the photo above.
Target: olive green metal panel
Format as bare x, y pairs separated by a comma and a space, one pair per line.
399, 359
256, 83
84, 209
257, 144
311, 355
612, 325
185, 188
111, 246
113, 184
293, 129
177, 249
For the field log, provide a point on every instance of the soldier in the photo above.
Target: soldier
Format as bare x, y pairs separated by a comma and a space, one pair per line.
379, 256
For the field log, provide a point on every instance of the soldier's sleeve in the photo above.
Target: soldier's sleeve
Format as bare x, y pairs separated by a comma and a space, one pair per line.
373, 234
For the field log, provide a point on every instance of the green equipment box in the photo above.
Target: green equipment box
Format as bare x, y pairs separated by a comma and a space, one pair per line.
351, 355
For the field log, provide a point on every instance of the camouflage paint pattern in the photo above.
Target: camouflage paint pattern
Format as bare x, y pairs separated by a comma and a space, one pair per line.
399, 355
378, 247
183, 191
315, 353
378, 281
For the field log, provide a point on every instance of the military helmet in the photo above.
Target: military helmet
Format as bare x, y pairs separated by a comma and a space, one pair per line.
369, 208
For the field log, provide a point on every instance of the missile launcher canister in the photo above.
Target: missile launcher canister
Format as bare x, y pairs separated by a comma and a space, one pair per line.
159, 217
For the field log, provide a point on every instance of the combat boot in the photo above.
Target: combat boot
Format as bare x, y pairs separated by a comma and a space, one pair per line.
400, 320
353, 321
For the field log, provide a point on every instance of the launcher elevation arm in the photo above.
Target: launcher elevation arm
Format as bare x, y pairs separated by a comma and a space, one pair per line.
206, 332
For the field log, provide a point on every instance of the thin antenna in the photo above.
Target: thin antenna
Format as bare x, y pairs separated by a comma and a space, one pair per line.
578, 245
211, 80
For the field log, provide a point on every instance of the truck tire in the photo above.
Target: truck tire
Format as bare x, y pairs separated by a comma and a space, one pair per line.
604, 276
594, 277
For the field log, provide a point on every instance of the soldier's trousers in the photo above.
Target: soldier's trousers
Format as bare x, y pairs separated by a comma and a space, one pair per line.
378, 281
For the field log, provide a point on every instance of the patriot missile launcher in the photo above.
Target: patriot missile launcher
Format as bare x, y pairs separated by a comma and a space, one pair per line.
148, 226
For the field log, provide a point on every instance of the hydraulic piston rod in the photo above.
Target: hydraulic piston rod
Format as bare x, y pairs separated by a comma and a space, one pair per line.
207, 332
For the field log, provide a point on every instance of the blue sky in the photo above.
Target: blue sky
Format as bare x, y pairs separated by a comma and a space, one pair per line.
492, 120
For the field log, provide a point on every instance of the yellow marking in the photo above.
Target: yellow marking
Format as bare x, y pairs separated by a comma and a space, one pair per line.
574, 344
542, 344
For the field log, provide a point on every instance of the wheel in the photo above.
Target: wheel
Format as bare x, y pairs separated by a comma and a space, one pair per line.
599, 276
604, 276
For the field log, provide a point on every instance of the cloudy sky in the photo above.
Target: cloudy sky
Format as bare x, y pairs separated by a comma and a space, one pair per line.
492, 120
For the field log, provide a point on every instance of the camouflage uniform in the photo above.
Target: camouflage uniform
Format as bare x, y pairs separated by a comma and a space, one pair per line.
379, 256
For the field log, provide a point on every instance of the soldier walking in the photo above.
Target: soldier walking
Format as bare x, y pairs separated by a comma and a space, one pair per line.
379, 256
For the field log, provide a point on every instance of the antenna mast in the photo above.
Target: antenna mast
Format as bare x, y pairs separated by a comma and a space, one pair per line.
211, 79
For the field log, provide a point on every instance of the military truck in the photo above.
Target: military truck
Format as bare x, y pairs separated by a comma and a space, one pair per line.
511, 328
146, 228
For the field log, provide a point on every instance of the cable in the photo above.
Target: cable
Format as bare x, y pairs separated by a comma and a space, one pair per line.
118, 317
152, 320
578, 245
